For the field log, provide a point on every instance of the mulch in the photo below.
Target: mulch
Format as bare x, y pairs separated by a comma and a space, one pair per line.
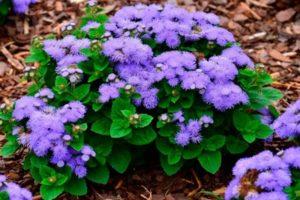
268, 30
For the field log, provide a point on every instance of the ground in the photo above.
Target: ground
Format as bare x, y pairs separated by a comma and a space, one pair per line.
268, 30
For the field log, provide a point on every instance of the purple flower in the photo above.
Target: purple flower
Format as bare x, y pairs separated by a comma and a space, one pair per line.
291, 156
178, 116
225, 96
72, 112
110, 91
14, 191
219, 69
203, 18
265, 116
22, 6
220, 35
263, 176
25, 106
274, 180
238, 57
66, 52
90, 25
288, 124
127, 50
45, 93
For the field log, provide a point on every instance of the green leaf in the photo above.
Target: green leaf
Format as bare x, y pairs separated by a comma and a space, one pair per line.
249, 137
76, 187
169, 169
145, 121
174, 157
78, 142
192, 151
46, 171
210, 161
235, 145
120, 159
4, 196
163, 145
81, 91
61, 84
119, 105
168, 130
127, 113
51, 192
102, 126
119, 129
99, 174
263, 132
187, 101
240, 119
142, 136
9, 148
215, 142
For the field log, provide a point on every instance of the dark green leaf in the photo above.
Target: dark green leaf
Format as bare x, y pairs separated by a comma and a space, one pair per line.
145, 121
210, 161
170, 169
50, 192
98, 174
76, 187
120, 159
102, 126
142, 136
235, 145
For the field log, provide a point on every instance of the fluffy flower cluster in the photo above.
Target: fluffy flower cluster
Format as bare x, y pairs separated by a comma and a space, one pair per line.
263, 176
22, 6
288, 124
190, 132
14, 191
168, 25
45, 132
137, 66
66, 52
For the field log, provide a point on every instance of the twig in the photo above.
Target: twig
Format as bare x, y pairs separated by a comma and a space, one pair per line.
148, 192
208, 193
199, 185
15, 63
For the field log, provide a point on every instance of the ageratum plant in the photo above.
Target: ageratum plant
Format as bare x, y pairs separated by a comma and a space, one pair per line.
150, 78
19, 7
266, 176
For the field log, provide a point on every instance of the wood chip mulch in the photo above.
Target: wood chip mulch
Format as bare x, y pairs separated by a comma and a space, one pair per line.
268, 30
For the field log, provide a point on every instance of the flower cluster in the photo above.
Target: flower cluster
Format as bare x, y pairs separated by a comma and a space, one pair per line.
168, 24
66, 52
263, 176
288, 124
22, 6
136, 64
45, 131
14, 191
190, 132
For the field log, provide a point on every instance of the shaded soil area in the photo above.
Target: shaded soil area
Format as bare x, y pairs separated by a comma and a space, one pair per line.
268, 30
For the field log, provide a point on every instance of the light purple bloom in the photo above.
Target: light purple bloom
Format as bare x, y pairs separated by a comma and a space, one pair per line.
45, 93
219, 69
22, 6
127, 50
288, 124
90, 25
238, 57
14, 191
25, 106
225, 96
72, 111
291, 156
